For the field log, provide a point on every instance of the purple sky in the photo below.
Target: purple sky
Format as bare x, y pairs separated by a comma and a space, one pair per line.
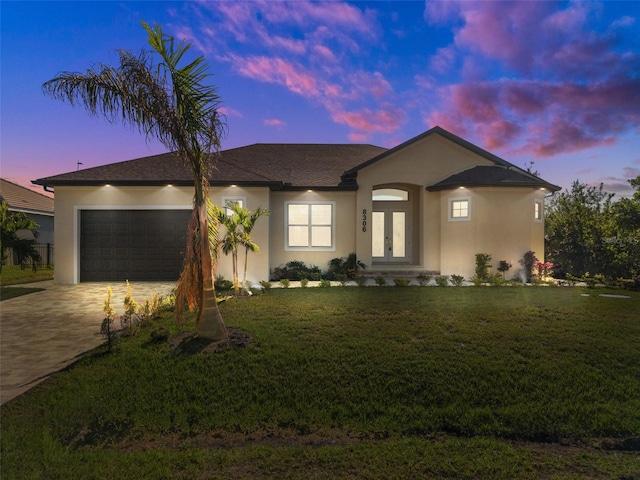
557, 84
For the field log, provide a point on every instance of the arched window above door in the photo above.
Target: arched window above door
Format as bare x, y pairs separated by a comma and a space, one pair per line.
390, 195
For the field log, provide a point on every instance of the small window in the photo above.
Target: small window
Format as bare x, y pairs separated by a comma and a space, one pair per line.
459, 209
309, 226
390, 195
537, 210
227, 201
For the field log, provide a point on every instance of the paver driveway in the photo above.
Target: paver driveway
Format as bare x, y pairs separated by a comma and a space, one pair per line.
43, 332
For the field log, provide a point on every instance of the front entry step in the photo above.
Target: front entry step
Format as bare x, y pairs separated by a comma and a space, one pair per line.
398, 273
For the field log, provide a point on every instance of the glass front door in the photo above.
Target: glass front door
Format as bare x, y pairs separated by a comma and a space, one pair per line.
390, 232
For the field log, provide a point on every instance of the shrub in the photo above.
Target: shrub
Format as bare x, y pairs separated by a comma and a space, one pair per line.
221, 284
266, 286
503, 267
544, 269
106, 328
528, 262
285, 282
159, 335
130, 320
361, 280
423, 279
483, 266
348, 267
304, 282
380, 281
457, 280
572, 279
442, 281
325, 283
401, 282
296, 270
630, 283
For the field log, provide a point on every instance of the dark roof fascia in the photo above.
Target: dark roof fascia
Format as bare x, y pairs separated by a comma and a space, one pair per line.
315, 188
541, 184
119, 183
149, 183
439, 130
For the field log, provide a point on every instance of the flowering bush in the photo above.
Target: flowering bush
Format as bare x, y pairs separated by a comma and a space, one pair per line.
544, 269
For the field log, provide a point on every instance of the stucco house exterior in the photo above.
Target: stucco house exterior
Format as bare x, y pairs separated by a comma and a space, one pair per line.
428, 204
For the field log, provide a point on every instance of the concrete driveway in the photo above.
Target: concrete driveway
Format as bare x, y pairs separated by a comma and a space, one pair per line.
43, 332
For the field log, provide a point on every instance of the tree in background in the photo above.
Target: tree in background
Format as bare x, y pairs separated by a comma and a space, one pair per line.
586, 232
171, 102
13, 227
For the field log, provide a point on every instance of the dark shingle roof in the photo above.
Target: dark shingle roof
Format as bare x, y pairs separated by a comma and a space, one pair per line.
492, 176
22, 199
276, 165
291, 166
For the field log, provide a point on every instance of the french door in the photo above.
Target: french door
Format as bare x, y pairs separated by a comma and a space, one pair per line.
390, 229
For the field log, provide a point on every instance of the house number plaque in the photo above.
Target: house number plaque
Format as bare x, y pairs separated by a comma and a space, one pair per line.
364, 219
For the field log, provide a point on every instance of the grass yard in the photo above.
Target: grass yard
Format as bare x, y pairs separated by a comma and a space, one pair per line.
358, 383
14, 275
12, 292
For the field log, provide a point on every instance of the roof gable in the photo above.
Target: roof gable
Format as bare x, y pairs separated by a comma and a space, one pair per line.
433, 131
21, 199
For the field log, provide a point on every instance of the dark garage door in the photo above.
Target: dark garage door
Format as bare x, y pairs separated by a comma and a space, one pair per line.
119, 245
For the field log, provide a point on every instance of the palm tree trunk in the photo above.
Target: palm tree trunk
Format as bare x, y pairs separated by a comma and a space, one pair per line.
211, 324
244, 274
234, 260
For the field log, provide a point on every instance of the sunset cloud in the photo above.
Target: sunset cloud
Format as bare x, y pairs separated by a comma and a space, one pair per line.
387, 119
575, 88
273, 122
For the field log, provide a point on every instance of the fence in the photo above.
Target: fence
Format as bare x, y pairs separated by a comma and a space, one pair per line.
44, 249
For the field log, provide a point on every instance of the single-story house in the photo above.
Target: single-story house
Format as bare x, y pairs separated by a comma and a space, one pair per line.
428, 204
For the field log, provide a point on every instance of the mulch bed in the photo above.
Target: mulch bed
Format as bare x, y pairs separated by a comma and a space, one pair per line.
189, 343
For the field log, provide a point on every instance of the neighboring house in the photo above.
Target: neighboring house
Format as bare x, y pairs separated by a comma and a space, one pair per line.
429, 204
37, 207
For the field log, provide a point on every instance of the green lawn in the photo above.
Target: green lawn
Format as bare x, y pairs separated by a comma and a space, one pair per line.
528, 382
14, 275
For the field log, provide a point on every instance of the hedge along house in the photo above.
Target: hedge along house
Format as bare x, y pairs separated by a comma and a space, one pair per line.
429, 204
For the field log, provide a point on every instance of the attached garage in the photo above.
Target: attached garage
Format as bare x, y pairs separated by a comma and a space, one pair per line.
135, 245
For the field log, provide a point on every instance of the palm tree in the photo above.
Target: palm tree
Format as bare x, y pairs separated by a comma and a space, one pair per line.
248, 223
234, 236
170, 102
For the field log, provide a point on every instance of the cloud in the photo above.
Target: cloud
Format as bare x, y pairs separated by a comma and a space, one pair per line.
545, 118
534, 78
532, 37
273, 122
387, 119
279, 71
305, 47
230, 112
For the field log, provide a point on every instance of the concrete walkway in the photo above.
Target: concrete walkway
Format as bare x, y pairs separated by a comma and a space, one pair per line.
43, 332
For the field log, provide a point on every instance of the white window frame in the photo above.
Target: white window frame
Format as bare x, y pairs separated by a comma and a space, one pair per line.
309, 248
452, 200
233, 199
538, 213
